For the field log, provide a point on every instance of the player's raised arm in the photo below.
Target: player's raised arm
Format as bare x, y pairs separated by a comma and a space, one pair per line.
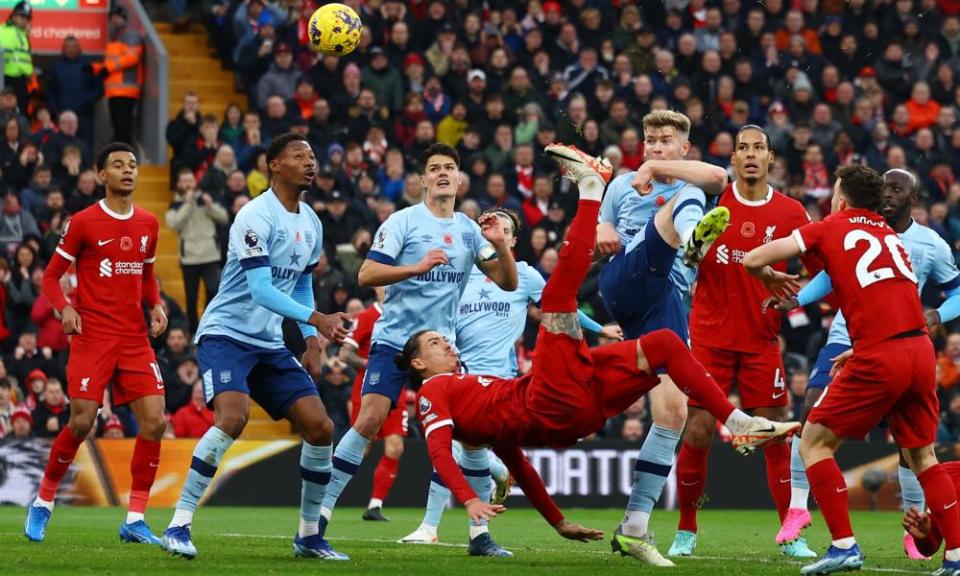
709, 178
758, 261
496, 258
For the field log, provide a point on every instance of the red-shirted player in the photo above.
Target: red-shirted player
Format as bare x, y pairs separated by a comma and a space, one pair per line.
891, 373
113, 245
730, 335
394, 430
569, 393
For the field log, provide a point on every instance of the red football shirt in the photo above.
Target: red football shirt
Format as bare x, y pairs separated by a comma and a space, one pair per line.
726, 305
110, 251
359, 337
481, 410
871, 274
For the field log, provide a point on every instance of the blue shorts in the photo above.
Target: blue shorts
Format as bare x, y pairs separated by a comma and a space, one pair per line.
637, 290
382, 376
273, 377
820, 376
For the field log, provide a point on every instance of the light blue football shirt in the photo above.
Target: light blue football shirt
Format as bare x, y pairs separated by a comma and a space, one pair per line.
263, 234
428, 301
930, 257
491, 319
630, 213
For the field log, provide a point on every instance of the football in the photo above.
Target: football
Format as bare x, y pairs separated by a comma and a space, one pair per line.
335, 29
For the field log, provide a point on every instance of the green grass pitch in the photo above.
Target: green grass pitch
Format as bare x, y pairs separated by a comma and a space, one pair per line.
257, 542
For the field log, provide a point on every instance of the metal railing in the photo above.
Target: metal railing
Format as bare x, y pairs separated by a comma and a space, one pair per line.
153, 102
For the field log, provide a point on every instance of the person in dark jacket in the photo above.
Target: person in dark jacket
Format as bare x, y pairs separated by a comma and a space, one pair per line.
71, 85
183, 131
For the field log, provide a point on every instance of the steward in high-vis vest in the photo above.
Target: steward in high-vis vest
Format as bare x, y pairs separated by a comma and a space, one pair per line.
122, 72
17, 61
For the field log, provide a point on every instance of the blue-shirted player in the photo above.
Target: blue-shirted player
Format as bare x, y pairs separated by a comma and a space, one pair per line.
489, 322
931, 258
423, 255
650, 236
275, 243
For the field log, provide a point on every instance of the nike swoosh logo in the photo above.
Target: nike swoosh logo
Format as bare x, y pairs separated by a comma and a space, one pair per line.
951, 505
782, 481
159, 386
689, 483
839, 491
775, 396
154, 464
67, 461
104, 242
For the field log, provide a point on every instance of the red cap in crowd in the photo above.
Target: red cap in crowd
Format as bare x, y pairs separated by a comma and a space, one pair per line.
21, 412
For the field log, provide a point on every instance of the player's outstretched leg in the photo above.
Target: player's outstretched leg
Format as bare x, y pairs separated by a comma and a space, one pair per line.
62, 453
209, 451
911, 494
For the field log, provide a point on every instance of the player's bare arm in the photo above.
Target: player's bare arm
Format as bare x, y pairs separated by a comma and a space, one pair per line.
709, 178
71, 320
562, 323
503, 268
608, 241
373, 274
350, 356
158, 320
758, 261
331, 326
573, 531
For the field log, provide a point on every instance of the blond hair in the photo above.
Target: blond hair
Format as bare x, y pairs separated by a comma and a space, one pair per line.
667, 118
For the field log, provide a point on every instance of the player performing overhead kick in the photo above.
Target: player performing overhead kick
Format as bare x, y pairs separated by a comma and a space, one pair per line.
275, 243
891, 372
570, 391
650, 236
113, 245
930, 257
423, 255
733, 338
489, 322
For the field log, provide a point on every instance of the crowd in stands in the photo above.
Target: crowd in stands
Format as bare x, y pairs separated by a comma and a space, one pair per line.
833, 82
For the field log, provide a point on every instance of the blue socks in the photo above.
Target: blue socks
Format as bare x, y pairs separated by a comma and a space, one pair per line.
650, 474
315, 467
346, 461
687, 211
910, 491
206, 458
475, 465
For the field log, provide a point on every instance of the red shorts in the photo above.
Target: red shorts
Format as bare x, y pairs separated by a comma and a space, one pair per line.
396, 422
759, 376
130, 366
895, 379
574, 389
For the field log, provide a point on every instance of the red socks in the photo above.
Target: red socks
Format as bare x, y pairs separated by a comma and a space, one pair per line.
384, 476
62, 453
941, 498
576, 255
830, 491
777, 458
143, 470
664, 349
691, 482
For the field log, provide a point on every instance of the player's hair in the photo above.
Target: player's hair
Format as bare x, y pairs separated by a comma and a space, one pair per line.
509, 215
279, 144
404, 358
438, 149
109, 149
667, 118
746, 127
907, 173
861, 185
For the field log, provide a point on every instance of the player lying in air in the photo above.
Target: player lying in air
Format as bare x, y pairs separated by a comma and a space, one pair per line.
569, 393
